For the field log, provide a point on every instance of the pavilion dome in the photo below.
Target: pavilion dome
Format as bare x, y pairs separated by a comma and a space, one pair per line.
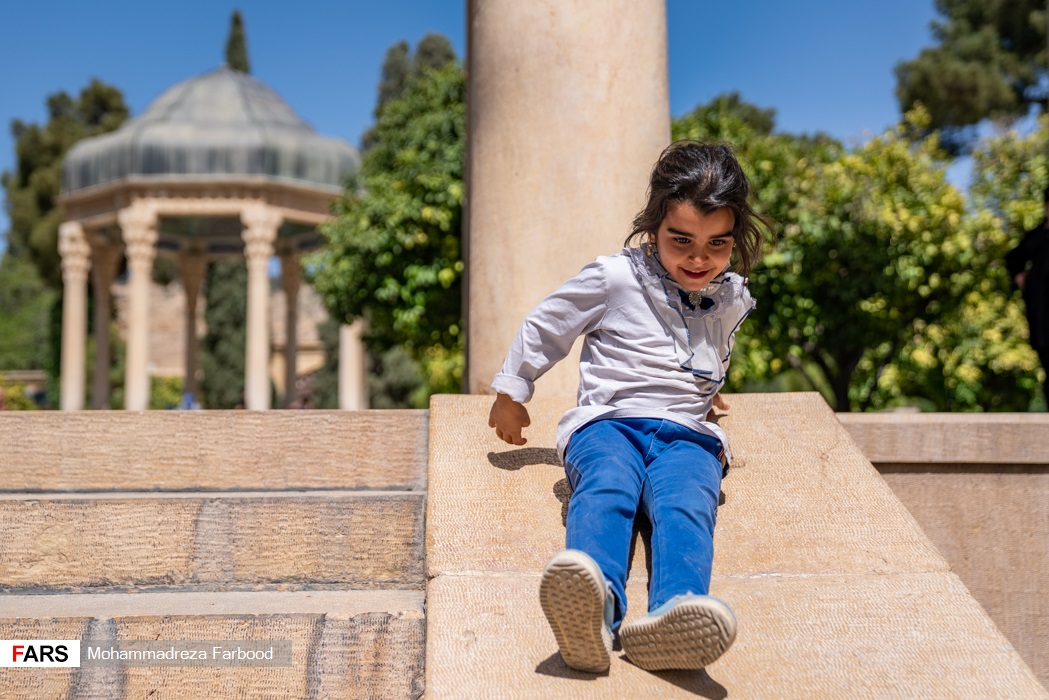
221, 124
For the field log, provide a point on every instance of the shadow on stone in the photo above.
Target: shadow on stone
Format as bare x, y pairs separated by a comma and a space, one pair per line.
697, 682
512, 460
555, 666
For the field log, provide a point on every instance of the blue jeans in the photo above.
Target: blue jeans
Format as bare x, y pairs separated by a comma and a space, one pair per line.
673, 474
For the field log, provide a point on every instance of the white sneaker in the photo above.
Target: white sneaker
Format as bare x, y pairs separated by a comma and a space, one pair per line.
572, 594
686, 632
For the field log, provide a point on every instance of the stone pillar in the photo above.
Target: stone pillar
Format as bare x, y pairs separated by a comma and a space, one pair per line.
291, 281
260, 232
76, 259
138, 225
105, 260
193, 263
353, 372
568, 111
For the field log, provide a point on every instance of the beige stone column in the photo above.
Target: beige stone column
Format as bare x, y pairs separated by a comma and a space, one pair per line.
138, 225
193, 263
291, 281
260, 232
353, 371
105, 260
76, 259
568, 111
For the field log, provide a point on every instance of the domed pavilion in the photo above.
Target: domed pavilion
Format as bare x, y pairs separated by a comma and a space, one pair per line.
217, 166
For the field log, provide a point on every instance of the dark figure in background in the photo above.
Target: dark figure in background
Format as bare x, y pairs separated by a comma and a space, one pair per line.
1028, 265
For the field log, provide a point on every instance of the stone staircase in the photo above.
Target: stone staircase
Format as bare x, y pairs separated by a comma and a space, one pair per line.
308, 527
297, 526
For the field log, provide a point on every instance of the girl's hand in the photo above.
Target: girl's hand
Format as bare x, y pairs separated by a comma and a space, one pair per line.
508, 417
719, 403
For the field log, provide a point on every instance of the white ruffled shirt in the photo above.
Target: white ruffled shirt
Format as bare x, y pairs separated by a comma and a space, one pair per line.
646, 352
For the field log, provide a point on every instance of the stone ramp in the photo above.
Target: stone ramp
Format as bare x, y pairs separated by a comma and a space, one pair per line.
304, 526
837, 590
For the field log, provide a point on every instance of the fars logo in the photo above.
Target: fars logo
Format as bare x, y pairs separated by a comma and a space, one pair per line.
34, 653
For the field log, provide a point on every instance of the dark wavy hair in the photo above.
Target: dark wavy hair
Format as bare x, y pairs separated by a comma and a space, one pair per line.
707, 176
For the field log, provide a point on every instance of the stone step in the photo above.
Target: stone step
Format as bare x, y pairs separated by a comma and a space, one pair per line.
213, 541
212, 450
837, 590
344, 644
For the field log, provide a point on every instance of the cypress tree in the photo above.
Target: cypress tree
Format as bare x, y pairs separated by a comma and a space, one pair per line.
223, 347
237, 45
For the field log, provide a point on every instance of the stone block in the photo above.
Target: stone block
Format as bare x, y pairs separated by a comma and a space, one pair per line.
357, 539
213, 450
347, 644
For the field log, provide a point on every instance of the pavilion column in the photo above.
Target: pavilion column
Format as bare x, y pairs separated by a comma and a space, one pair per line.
260, 232
291, 281
582, 86
76, 259
193, 263
353, 373
105, 260
138, 225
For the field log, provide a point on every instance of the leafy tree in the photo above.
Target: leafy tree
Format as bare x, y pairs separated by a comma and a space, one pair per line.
25, 303
990, 62
33, 187
222, 349
30, 270
872, 248
326, 381
393, 253
396, 69
399, 67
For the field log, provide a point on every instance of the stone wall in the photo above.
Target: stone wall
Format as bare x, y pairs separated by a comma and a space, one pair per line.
979, 487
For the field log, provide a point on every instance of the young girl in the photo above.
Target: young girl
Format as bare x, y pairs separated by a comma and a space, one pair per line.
658, 323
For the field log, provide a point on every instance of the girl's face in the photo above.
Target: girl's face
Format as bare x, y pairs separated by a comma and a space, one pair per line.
694, 248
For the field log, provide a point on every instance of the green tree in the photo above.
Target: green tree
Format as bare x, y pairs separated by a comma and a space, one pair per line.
400, 66
396, 69
32, 188
393, 254
237, 45
223, 346
25, 303
990, 62
30, 320
873, 248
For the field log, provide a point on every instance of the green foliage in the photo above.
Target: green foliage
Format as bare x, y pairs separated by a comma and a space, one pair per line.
874, 250
165, 392
990, 62
14, 398
400, 67
325, 392
237, 45
393, 254
33, 187
222, 349
396, 69
976, 357
25, 303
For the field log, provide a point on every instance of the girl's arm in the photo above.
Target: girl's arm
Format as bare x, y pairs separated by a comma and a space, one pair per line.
545, 338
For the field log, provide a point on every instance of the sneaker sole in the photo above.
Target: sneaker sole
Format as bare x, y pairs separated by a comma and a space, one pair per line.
690, 635
572, 597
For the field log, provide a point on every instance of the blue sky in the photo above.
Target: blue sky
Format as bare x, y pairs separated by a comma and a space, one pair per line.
824, 65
